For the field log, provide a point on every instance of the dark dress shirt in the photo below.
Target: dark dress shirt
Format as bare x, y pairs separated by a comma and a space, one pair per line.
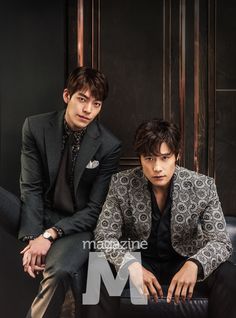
159, 242
63, 194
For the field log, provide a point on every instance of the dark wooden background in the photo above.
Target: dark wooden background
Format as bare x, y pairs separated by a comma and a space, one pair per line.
164, 58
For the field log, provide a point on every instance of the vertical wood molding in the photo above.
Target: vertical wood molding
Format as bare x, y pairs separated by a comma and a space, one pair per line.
93, 32
182, 73
96, 34
196, 83
167, 59
211, 86
71, 36
80, 32
99, 34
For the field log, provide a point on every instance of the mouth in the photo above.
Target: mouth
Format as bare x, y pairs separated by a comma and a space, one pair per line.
83, 118
158, 177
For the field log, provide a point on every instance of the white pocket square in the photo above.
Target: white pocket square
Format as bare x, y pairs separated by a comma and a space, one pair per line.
92, 164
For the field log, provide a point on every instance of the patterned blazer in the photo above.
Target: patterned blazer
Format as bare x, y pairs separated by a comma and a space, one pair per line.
198, 228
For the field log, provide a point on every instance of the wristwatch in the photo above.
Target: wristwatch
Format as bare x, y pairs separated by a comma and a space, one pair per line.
47, 235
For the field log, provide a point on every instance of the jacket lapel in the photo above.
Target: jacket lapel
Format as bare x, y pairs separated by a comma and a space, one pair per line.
175, 208
88, 148
182, 200
141, 201
53, 142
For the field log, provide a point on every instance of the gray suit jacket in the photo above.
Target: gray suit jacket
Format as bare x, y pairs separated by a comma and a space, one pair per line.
198, 228
40, 159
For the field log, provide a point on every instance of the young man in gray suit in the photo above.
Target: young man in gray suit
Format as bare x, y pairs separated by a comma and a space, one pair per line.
178, 213
67, 161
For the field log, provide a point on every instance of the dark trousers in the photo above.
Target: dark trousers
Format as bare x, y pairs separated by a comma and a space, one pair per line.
65, 263
219, 287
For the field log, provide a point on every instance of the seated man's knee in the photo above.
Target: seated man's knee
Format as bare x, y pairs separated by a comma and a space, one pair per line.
58, 273
226, 274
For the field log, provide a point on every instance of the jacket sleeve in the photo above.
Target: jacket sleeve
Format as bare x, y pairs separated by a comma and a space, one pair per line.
86, 218
31, 185
109, 229
218, 248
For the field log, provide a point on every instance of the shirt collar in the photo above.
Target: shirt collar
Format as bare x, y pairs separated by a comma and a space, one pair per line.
170, 189
76, 134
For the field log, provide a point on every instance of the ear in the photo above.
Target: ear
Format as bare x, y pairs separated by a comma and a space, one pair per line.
178, 157
66, 96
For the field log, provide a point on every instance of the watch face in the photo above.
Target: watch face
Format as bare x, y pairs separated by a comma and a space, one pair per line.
46, 235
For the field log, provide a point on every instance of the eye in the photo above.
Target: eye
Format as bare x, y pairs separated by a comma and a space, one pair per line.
97, 104
81, 99
148, 158
165, 158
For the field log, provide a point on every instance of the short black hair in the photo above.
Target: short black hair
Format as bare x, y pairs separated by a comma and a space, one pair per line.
152, 133
83, 78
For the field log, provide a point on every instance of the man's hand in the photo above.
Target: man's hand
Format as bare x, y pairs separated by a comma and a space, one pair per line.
183, 282
35, 252
34, 255
146, 283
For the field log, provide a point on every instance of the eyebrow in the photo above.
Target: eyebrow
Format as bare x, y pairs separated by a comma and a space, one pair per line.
87, 97
83, 95
160, 154
165, 154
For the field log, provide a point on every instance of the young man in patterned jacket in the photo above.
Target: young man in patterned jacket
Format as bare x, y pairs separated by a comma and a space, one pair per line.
178, 213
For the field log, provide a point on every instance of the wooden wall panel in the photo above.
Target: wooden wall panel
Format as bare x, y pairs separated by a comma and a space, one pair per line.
211, 35
175, 35
225, 151
225, 111
169, 59
187, 122
225, 44
203, 90
154, 58
132, 57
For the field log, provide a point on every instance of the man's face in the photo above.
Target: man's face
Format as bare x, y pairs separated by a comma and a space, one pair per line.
159, 169
81, 109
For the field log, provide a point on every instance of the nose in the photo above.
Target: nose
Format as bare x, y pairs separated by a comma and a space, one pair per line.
87, 108
157, 166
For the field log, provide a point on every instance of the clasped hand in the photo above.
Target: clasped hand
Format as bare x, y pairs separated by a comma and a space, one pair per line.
181, 286
34, 255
